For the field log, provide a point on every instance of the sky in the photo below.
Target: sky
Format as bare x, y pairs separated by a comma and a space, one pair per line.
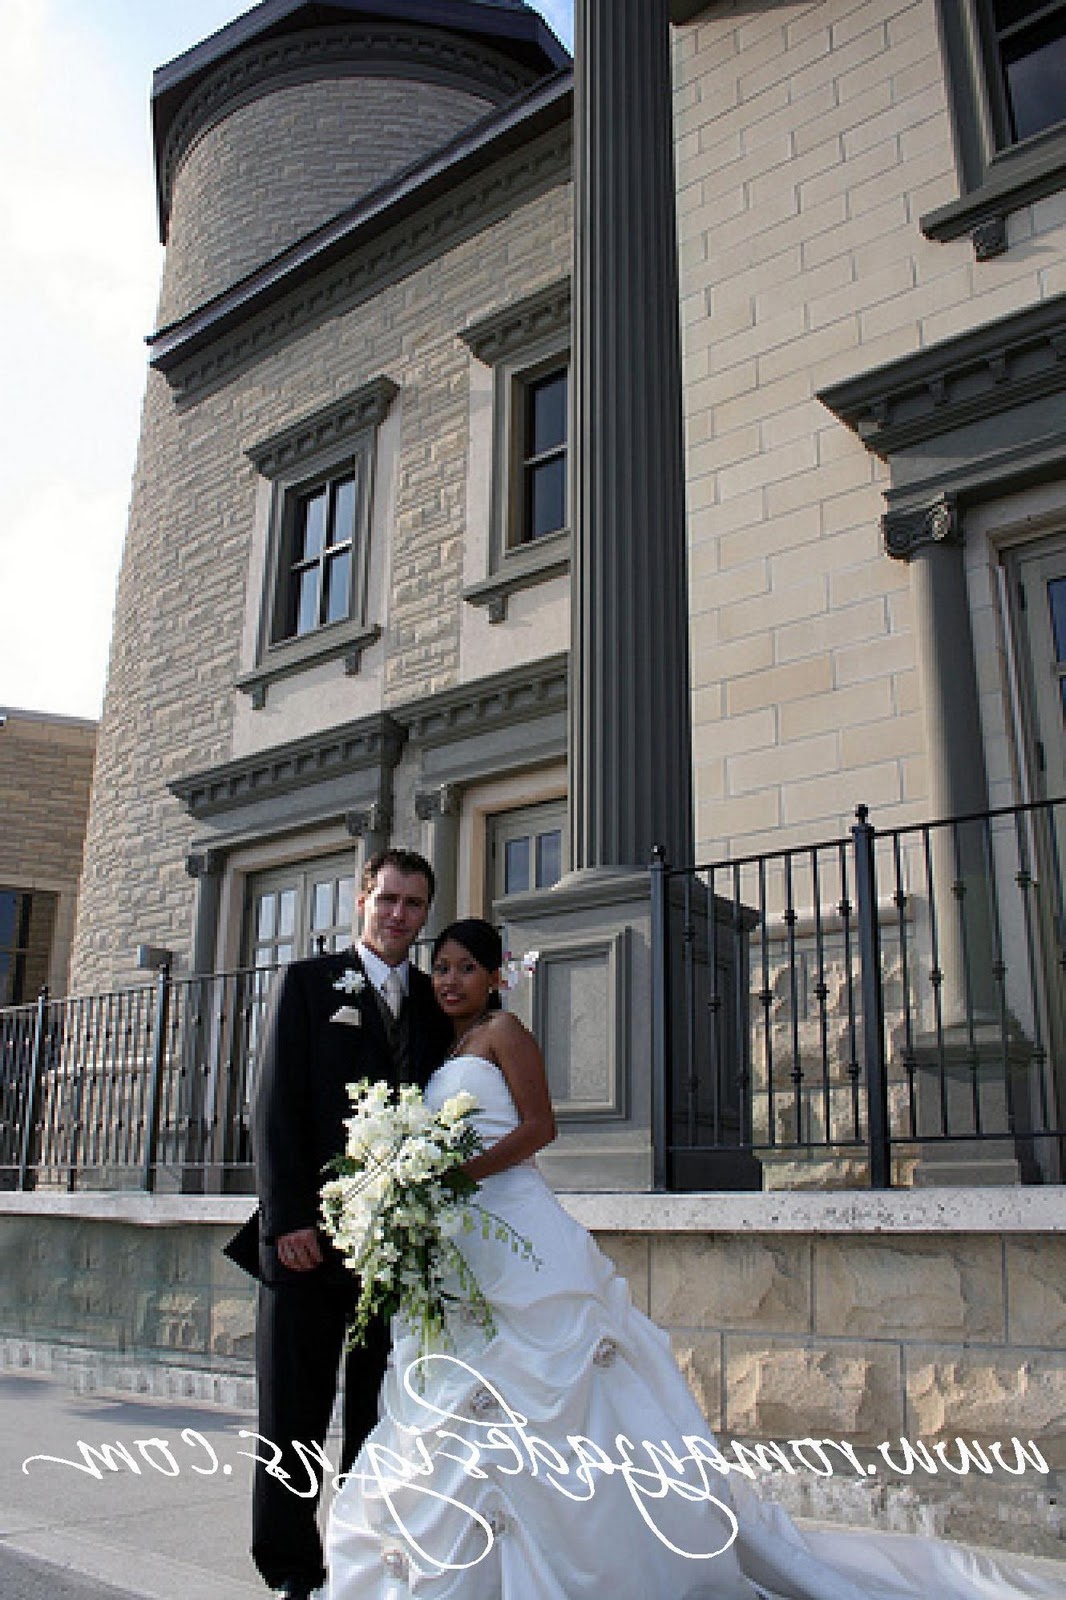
80, 265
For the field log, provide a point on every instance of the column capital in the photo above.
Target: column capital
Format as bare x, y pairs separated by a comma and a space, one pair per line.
204, 863
906, 532
375, 818
444, 801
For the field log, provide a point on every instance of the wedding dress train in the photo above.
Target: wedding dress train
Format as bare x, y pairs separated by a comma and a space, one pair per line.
560, 1456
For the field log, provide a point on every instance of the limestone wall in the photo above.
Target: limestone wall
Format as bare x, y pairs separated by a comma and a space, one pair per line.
810, 140
863, 1319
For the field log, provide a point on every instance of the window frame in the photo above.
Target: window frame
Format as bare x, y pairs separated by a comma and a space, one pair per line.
522, 345
996, 176
322, 449
522, 822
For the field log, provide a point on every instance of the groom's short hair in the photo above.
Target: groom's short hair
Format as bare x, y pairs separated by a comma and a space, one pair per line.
408, 861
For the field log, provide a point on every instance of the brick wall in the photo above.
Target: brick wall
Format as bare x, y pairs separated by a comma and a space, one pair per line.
46, 768
810, 139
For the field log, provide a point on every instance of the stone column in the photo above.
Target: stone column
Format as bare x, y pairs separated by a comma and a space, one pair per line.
438, 809
205, 867
630, 740
930, 538
629, 748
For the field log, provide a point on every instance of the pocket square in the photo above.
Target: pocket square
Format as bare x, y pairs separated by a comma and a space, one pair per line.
349, 1015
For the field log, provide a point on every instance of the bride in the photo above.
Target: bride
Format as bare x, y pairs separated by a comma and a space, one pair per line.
559, 1455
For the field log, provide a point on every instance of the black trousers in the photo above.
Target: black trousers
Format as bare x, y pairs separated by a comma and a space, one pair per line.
300, 1336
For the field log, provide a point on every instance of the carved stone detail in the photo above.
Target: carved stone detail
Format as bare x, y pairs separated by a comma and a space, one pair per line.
989, 238
495, 338
374, 818
365, 407
907, 531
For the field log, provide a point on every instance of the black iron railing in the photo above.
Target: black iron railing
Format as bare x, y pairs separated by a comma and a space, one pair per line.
885, 1007
147, 1087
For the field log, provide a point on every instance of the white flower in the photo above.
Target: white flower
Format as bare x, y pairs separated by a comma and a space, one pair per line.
350, 982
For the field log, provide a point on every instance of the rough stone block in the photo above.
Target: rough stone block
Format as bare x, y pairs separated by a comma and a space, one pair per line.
907, 1288
1036, 1291
844, 1391
990, 1394
715, 1282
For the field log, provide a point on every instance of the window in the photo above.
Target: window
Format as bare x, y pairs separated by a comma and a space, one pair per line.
316, 588
527, 849
27, 922
541, 481
522, 359
1026, 47
317, 542
1005, 63
300, 911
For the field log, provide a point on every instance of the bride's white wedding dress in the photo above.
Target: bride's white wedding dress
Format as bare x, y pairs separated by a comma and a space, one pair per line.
515, 1467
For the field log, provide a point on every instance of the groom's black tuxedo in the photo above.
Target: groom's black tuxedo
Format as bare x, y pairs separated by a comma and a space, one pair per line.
307, 1057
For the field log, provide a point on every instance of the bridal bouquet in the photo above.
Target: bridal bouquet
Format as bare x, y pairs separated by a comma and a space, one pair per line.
398, 1203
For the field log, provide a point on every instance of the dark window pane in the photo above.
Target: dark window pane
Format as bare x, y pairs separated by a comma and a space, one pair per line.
7, 979
307, 600
547, 498
1062, 686
313, 529
338, 583
1008, 12
343, 511
1056, 595
1036, 83
547, 414
9, 903
516, 866
549, 858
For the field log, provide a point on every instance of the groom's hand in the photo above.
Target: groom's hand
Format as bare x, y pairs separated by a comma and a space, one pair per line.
300, 1251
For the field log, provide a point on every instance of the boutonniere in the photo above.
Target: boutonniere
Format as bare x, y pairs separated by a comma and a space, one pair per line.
350, 982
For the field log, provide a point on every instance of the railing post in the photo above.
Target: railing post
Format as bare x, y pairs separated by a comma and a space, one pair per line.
29, 1110
660, 1022
155, 1082
873, 1007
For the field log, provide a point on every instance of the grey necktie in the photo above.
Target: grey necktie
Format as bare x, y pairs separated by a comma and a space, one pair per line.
393, 991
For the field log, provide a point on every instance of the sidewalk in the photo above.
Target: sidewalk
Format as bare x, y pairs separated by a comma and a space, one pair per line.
171, 1522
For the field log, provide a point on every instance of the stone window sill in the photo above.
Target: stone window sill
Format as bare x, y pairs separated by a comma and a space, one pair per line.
343, 641
521, 569
1013, 179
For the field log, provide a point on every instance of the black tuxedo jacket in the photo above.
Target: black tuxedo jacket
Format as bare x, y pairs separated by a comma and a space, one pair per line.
306, 1060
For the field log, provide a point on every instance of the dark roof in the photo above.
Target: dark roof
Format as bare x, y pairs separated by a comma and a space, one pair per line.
509, 26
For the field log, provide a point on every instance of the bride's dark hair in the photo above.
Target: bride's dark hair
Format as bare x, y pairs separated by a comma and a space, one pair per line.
480, 940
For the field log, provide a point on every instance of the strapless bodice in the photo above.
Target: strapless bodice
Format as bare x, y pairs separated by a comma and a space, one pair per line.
496, 1113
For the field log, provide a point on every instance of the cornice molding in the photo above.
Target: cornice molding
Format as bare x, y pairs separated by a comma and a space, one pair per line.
500, 701
507, 332
525, 151
977, 375
906, 532
365, 407
379, 50
374, 742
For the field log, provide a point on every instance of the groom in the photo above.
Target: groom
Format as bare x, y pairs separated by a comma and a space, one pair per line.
363, 1013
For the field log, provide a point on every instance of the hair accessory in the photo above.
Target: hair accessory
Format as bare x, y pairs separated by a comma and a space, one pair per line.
513, 969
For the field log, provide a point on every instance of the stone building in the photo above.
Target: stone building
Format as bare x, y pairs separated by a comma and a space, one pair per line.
369, 480
46, 766
737, 504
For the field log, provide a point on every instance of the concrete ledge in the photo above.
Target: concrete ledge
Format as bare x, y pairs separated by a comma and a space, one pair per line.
980, 1210
1040, 1209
